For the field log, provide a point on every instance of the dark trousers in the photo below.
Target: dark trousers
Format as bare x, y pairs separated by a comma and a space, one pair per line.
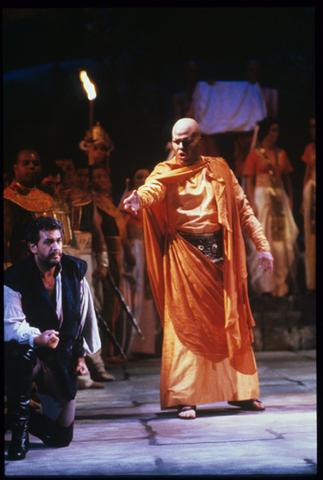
22, 366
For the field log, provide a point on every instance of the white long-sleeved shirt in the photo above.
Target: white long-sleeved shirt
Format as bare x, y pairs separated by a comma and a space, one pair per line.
16, 326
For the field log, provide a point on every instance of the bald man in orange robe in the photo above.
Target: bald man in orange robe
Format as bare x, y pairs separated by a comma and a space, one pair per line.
194, 212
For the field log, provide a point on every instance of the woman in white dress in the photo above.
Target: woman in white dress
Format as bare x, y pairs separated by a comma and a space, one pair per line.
269, 190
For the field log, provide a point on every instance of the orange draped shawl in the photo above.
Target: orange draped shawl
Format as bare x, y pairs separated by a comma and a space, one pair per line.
182, 278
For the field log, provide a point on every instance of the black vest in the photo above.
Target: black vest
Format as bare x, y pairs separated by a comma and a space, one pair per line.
24, 277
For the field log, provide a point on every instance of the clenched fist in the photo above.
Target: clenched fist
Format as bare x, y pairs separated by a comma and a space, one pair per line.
48, 338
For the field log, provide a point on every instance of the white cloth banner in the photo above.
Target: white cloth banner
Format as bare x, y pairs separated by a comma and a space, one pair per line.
228, 106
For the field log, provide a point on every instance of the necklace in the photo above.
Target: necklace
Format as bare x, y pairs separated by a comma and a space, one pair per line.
271, 163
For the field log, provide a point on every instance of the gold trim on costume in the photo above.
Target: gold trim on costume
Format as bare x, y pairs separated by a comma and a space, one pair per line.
34, 201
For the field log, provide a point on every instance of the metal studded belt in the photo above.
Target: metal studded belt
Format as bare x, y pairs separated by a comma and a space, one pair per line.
210, 244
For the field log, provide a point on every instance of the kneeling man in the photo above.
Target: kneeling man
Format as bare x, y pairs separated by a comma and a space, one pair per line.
49, 327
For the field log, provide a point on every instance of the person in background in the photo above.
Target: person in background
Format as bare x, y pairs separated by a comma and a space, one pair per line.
308, 209
98, 146
23, 202
89, 245
50, 183
243, 143
268, 187
67, 176
81, 179
113, 228
142, 302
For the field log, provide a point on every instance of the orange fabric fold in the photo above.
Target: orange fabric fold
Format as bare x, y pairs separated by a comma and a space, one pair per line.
208, 305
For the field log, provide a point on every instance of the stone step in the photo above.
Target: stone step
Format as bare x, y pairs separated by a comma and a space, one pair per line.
284, 323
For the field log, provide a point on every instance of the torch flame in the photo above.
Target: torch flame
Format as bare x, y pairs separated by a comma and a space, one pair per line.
88, 85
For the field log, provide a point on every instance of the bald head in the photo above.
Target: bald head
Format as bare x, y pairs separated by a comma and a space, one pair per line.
186, 141
186, 125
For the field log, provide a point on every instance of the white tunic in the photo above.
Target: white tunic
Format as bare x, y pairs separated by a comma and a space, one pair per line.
16, 326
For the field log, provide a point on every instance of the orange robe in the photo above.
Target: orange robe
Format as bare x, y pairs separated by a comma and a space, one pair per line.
204, 307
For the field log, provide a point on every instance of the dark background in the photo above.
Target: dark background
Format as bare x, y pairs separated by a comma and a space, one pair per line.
135, 58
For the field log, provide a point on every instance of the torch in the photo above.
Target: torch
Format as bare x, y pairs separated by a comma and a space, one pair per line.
91, 94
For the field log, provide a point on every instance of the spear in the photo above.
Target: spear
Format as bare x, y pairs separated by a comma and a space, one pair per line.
112, 337
124, 304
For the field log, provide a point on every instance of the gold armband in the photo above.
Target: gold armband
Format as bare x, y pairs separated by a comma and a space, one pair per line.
102, 259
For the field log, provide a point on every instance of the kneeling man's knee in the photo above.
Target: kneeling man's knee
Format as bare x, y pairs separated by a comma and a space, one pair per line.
60, 436
56, 435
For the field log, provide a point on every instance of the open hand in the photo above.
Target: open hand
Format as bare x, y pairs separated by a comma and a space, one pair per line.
132, 202
268, 258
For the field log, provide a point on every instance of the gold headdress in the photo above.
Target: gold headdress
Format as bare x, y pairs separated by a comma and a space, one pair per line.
99, 135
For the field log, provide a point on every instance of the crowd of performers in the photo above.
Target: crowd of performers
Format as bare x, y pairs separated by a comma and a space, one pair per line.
110, 240
198, 221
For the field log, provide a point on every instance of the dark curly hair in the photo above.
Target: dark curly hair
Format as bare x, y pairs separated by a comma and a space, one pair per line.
42, 224
265, 126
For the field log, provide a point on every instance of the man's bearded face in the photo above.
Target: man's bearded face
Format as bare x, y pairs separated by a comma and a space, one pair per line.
48, 251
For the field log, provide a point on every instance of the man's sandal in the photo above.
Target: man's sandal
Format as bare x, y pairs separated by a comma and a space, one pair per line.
249, 405
186, 412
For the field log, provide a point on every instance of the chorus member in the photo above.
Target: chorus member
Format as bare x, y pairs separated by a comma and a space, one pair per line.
268, 187
309, 211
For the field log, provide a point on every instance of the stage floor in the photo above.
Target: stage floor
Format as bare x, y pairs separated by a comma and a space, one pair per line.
120, 430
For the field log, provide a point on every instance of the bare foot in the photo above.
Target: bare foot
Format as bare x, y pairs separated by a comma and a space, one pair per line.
186, 412
251, 405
